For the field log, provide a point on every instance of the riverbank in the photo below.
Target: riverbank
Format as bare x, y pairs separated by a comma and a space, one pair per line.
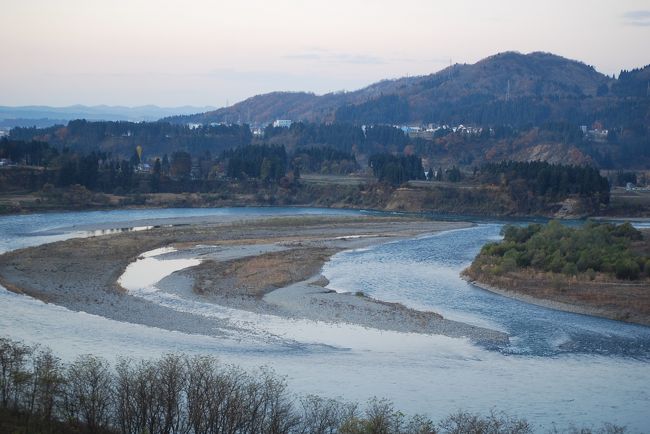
82, 274
431, 197
598, 269
620, 301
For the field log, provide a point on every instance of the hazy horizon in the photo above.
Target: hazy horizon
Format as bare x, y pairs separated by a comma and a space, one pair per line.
204, 54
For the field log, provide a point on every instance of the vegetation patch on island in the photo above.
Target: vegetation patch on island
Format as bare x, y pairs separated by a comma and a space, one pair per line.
601, 269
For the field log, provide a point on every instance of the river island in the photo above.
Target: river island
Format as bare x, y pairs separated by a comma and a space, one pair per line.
263, 266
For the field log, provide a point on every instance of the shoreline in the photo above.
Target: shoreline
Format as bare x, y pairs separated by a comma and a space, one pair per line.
549, 304
552, 304
81, 274
18, 205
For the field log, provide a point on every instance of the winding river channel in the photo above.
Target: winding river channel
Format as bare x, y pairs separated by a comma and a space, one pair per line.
559, 368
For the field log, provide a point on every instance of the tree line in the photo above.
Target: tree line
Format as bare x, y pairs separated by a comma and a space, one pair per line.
120, 137
32, 152
343, 136
624, 146
396, 170
552, 180
324, 159
265, 162
195, 395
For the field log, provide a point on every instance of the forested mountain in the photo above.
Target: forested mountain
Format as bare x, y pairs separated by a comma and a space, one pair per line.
521, 107
508, 88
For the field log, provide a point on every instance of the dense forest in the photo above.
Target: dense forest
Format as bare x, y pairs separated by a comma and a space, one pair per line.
532, 188
120, 138
396, 170
554, 248
342, 136
625, 147
548, 180
268, 163
382, 110
31, 153
324, 160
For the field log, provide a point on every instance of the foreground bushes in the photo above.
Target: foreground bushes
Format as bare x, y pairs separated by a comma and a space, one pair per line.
181, 394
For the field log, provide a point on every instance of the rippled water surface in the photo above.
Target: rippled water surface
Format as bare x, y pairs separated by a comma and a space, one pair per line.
425, 273
559, 368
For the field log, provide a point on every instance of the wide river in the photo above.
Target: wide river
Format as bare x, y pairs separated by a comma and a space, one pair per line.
560, 368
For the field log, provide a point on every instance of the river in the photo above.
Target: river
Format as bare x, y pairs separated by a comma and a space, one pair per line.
560, 368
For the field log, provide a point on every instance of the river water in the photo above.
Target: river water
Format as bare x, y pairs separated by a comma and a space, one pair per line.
560, 368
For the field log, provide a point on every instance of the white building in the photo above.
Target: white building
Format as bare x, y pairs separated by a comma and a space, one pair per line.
143, 168
281, 123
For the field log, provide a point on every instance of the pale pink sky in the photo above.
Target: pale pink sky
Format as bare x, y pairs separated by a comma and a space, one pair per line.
201, 52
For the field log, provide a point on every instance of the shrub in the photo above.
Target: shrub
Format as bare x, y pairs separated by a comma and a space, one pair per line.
627, 269
556, 248
570, 269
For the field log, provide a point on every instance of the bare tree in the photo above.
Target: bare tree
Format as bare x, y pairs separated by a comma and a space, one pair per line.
381, 417
171, 378
48, 381
180, 395
88, 393
325, 416
14, 372
138, 405
202, 399
496, 423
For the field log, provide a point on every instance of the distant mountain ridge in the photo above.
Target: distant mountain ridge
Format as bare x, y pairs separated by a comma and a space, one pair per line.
507, 88
43, 116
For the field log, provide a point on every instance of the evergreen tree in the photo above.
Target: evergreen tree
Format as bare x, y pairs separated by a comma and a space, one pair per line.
156, 175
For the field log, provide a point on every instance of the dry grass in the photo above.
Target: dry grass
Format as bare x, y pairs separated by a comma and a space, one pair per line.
620, 300
257, 275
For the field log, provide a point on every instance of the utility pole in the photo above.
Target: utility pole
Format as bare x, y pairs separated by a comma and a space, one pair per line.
508, 92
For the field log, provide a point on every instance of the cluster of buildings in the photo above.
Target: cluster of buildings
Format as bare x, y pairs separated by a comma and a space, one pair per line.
282, 123
429, 132
597, 133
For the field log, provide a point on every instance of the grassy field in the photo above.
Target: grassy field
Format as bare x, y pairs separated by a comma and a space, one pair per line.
635, 203
312, 178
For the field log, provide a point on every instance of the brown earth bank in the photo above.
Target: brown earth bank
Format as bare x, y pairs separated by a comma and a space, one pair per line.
614, 299
443, 198
267, 266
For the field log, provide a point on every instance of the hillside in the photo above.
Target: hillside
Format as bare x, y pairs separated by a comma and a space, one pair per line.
532, 107
507, 88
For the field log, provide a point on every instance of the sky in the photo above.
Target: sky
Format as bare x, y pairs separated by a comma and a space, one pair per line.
212, 52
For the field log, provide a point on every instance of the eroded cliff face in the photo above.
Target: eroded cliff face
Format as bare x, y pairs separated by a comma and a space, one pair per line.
485, 201
554, 153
